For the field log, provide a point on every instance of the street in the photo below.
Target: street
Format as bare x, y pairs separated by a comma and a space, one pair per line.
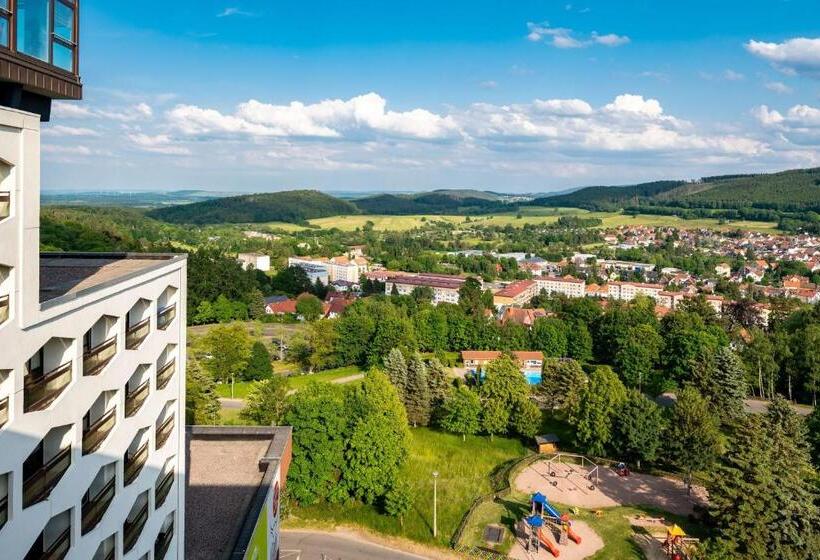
303, 545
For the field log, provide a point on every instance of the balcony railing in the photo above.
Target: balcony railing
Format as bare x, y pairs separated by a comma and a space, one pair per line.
4, 510
39, 392
134, 463
165, 374
163, 488
132, 529
95, 508
96, 359
165, 316
110, 555
135, 334
164, 431
4, 411
4, 309
163, 542
95, 434
135, 399
39, 485
57, 550
5, 205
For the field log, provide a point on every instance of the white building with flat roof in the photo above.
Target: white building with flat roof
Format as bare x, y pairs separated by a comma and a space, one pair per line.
92, 385
258, 261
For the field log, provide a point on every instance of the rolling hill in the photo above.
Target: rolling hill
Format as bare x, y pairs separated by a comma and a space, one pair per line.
444, 201
287, 206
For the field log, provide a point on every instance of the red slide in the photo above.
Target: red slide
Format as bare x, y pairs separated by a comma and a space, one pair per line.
548, 544
573, 535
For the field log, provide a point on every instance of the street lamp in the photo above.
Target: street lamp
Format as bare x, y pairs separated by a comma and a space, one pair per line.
435, 497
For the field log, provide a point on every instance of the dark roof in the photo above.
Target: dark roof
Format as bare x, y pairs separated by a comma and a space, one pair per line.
275, 299
547, 438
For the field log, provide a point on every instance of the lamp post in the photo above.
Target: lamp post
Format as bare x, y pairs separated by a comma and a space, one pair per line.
435, 497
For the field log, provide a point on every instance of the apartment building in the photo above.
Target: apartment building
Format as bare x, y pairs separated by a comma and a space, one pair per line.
92, 349
566, 285
342, 268
516, 294
445, 288
628, 291
257, 261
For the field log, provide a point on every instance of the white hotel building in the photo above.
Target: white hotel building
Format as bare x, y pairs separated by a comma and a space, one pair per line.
92, 354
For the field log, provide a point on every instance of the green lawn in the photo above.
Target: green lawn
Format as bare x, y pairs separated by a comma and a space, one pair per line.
464, 469
230, 417
300, 381
240, 389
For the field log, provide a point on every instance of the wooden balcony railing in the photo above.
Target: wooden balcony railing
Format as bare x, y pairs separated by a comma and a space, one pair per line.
137, 333
4, 309
4, 411
133, 463
57, 550
165, 374
163, 542
4, 510
39, 485
40, 391
95, 508
163, 488
5, 205
96, 359
164, 431
95, 434
135, 399
165, 316
132, 529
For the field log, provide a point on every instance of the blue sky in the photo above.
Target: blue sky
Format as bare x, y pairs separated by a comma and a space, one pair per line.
526, 96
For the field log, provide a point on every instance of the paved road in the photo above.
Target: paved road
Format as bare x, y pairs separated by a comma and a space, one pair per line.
232, 403
303, 545
757, 406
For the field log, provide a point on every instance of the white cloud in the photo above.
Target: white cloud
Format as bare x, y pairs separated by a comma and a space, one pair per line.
62, 130
798, 127
800, 55
564, 38
778, 87
158, 144
233, 11
59, 149
635, 105
67, 110
733, 76
131, 113
563, 106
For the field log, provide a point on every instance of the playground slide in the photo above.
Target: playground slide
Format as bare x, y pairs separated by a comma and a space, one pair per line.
552, 512
573, 535
548, 544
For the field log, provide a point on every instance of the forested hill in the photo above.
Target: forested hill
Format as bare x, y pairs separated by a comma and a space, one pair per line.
435, 202
286, 206
795, 190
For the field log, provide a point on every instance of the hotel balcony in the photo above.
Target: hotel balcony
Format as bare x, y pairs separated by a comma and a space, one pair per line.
99, 345
133, 463
56, 549
107, 549
166, 316
95, 432
4, 411
163, 487
137, 324
46, 465
165, 373
164, 431
4, 511
134, 523
134, 398
5, 307
48, 373
5, 205
95, 504
163, 541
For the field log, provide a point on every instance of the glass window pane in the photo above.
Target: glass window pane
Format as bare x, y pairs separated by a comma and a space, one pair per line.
32, 27
4, 4
4, 32
64, 21
63, 57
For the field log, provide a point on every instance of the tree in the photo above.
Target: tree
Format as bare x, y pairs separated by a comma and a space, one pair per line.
693, 439
309, 307
638, 353
201, 402
378, 443
256, 305
230, 349
417, 396
438, 382
579, 341
728, 384
526, 418
813, 429
470, 298
461, 412
258, 367
319, 418
266, 401
422, 294
399, 500
494, 417
686, 340
561, 382
759, 359
594, 414
549, 335
396, 368
637, 430
503, 382
808, 358
292, 280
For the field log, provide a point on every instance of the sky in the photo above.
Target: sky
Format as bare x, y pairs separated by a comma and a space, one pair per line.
523, 96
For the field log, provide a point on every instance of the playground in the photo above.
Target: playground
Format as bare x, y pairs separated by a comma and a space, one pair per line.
576, 481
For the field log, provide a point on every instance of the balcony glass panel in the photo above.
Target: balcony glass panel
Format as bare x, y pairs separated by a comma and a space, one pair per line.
137, 333
164, 431
95, 359
32, 27
134, 463
4, 510
95, 434
4, 411
4, 309
95, 508
131, 529
166, 316
4, 42
38, 486
134, 399
166, 373
62, 56
5, 198
163, 542
57, 550
39, 392
64, 21
163, 488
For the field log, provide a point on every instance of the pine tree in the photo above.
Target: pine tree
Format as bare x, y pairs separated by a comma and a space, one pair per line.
693, 436
438, 382
396, 368
201, 402
259, 366
417, 395
728, 385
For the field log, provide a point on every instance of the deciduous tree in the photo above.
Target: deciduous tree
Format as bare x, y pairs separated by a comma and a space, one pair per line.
637, 430
229, 347
594, 413
461, 412
266, 402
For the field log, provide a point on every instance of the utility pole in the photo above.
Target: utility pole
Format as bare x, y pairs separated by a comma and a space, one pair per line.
435, 499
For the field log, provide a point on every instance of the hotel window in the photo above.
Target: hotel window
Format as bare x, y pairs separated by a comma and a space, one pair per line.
46, 30
63, 42
5, 17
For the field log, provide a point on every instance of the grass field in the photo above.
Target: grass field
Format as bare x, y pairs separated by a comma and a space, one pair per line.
295, 382
268, 332
464, 469
533, 216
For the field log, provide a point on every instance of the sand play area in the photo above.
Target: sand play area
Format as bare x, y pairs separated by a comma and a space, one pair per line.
590, 544
569, 486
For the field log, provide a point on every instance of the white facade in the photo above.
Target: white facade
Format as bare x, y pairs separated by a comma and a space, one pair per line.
570, 287
67, 374
255, 260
